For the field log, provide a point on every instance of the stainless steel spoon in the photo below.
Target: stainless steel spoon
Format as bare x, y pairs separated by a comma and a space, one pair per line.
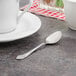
51, 39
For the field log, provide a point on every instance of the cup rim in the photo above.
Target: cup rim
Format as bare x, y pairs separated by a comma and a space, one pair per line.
72, 1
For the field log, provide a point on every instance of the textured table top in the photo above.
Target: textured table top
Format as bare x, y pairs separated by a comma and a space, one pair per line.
50, 60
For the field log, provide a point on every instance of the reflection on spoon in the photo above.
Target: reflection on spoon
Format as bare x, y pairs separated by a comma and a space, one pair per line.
51, 39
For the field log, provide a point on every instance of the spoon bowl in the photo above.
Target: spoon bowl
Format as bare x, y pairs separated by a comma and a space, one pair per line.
54, 38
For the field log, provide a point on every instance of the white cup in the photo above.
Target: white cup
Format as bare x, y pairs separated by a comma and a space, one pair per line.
9, 18
70, 13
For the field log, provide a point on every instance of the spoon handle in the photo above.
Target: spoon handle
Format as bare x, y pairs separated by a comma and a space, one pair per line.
30, 52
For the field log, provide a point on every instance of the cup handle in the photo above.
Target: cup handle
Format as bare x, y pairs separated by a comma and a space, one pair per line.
26, 9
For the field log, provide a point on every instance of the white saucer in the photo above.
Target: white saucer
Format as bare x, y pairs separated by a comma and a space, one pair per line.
28, 25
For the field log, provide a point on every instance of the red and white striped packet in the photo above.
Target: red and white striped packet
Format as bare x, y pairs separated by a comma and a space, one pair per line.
49, 13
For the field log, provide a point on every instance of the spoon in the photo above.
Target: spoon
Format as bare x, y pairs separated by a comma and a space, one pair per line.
51, 39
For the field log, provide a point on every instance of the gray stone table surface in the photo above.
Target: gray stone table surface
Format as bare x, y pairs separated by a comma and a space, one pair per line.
50, 60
